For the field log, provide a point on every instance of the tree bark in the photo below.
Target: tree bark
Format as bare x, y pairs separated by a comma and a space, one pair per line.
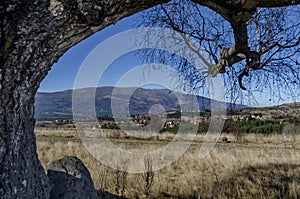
21, 174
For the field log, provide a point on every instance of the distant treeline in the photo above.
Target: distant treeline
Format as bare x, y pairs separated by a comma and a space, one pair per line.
253, 126
245, 127
241, 127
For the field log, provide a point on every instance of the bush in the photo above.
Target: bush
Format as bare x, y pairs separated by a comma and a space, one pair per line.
110, 126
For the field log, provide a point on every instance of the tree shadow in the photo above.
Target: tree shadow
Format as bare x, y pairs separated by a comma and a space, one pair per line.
262, 181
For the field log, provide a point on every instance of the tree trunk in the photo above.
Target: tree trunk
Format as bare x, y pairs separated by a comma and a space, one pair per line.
21, 173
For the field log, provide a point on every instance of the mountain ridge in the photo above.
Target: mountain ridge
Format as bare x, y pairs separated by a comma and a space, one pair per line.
58, 105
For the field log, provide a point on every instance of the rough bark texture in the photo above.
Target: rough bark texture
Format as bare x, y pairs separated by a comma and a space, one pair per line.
33, 35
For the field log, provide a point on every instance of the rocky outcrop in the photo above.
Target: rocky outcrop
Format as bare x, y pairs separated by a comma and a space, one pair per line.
71, 179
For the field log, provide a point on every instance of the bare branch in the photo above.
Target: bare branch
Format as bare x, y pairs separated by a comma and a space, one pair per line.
241, 41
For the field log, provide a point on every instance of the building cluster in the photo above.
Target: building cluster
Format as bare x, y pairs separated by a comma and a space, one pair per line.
237, 118
171, 123
62, 122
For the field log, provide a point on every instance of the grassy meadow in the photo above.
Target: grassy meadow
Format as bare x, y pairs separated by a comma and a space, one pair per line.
254, 166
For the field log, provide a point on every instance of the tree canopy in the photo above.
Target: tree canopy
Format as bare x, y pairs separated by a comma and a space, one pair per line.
255, 45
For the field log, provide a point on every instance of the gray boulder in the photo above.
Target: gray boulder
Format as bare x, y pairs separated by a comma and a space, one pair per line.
71, 179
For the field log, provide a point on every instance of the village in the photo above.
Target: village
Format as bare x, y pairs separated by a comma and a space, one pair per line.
168, 120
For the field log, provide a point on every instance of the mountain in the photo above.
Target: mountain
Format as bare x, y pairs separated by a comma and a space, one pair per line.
58, 105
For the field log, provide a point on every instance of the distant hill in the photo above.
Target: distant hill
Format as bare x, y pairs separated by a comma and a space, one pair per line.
58, 105
289, 111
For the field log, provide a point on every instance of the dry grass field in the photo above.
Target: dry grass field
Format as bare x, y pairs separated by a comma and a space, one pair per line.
257, 166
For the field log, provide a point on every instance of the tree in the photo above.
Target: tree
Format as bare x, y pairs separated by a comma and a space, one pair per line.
259, 40
33, 35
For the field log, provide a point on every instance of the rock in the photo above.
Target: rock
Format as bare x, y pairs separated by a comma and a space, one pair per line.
71, 179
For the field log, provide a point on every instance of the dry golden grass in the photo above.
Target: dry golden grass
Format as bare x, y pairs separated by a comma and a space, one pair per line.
256, 167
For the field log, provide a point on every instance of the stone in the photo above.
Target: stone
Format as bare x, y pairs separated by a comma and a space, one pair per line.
71, 179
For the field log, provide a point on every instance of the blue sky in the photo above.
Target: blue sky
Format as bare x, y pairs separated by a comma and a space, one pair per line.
63, 73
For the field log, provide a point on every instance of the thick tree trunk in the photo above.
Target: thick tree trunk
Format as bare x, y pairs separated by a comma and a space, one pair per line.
21, 174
